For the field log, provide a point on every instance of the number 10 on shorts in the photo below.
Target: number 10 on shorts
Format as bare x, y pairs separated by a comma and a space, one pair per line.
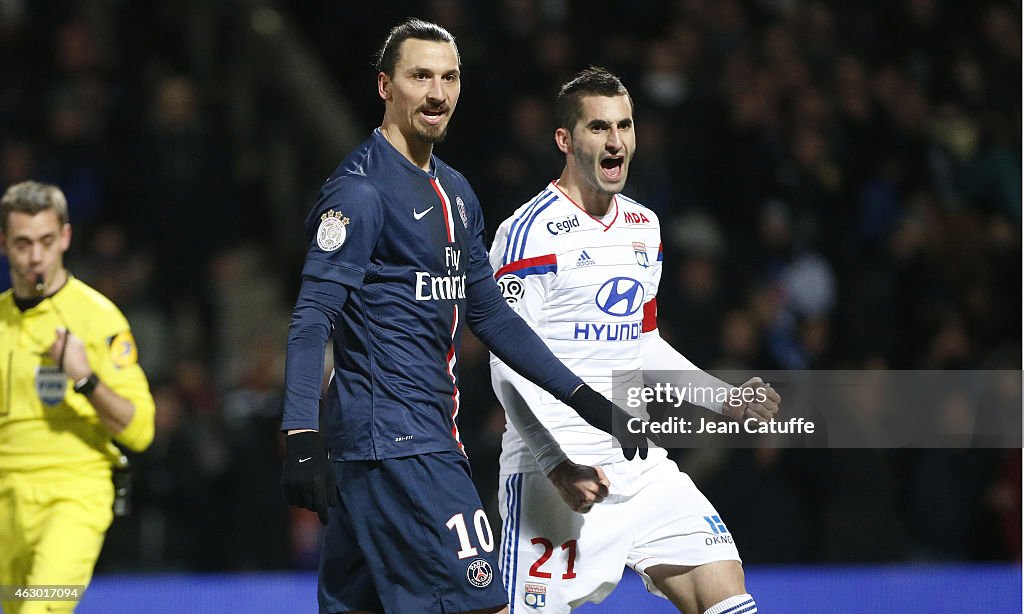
484, 536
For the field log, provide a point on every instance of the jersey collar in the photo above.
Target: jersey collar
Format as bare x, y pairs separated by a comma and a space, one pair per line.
615, 203
402, 159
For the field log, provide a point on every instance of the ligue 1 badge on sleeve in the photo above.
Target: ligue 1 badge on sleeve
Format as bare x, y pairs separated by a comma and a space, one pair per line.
332, 232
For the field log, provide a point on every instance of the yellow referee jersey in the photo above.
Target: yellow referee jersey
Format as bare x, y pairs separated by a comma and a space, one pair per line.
44, 424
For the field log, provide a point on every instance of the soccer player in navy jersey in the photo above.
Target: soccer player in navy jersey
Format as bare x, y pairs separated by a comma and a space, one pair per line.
396, 264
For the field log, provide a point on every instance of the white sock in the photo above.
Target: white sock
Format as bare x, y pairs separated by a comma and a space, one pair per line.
739, 604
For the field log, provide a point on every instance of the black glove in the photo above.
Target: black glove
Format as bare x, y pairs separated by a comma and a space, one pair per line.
307, 480
606, 416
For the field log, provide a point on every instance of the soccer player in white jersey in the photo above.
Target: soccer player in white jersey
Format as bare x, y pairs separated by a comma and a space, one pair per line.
581, 264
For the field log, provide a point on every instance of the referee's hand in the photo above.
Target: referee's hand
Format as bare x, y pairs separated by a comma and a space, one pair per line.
307, 480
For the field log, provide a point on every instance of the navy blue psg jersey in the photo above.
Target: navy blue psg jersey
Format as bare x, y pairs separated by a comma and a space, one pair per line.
405, 243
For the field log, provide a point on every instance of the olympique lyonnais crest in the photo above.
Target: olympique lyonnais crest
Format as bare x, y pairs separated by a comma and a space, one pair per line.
479, 573
462, 211
536, 595
640, 251
331, 233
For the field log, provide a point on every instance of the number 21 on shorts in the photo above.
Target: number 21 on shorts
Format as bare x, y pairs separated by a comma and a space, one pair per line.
569, 547
484, 536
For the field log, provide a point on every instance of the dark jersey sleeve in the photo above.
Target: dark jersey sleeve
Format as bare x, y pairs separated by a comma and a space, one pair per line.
313, 319
343, 229
503, 331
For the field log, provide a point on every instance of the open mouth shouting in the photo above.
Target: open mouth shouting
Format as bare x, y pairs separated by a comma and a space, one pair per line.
612, 167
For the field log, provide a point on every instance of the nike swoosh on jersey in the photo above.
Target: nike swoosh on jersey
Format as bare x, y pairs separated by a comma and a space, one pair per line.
419, 215
302, 460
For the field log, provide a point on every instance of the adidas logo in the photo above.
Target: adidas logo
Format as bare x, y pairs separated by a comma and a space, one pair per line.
584, 260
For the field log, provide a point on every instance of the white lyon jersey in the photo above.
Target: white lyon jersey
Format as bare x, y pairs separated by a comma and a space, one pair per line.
587, 287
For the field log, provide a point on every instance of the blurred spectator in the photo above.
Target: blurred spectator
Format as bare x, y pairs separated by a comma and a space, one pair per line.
179, 503
252, 419
184, 196
113, 269
77, 104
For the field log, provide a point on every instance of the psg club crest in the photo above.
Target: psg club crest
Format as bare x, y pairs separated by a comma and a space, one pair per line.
462, 211
535, 595
331, 233
640, 251
479, 573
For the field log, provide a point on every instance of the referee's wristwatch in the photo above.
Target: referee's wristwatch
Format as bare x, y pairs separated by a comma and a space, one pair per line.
87, 384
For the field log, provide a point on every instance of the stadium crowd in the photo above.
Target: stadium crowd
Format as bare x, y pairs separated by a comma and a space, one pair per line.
872, 150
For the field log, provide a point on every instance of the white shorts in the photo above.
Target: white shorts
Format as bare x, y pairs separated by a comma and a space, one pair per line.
556, 559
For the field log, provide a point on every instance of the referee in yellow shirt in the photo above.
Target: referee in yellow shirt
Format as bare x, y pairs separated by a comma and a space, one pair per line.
70, 383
